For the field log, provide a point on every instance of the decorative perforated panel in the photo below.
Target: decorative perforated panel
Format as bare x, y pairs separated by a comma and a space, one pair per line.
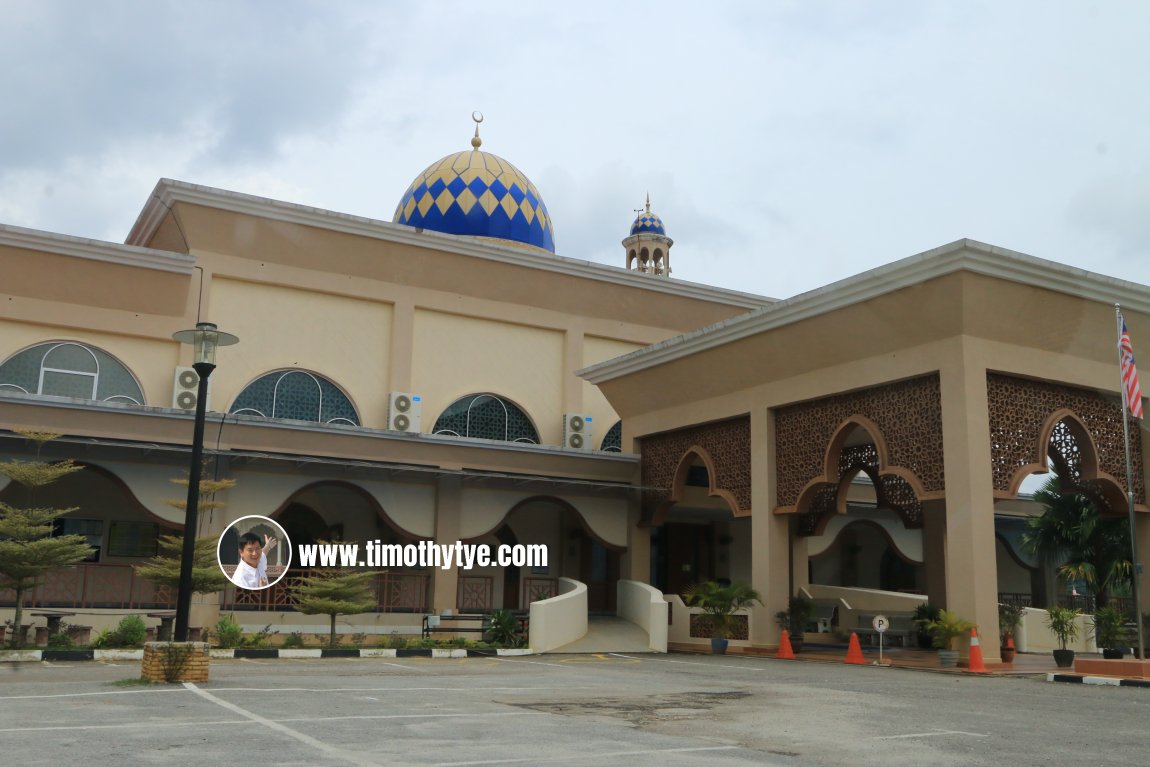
728, 443
908, 413
890, 492
1020, 407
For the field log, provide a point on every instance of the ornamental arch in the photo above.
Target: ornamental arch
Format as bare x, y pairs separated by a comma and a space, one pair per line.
1037, 426
575, 549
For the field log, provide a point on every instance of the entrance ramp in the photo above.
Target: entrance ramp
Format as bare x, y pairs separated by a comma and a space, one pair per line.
609, 634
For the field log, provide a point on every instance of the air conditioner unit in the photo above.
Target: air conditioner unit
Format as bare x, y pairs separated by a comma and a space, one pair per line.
185, 389
404, 412
577, 432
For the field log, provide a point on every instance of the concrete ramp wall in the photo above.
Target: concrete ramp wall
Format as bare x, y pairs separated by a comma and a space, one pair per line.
559, 620
644, 606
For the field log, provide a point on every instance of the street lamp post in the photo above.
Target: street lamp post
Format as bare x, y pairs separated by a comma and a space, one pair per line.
205, 339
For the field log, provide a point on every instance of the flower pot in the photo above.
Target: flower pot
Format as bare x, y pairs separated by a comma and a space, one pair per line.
1007, 654
1064, 658
1113, 653
797, 643
718, 646
948, 658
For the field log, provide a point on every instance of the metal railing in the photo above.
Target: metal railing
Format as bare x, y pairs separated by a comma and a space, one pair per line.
394, 592
111, 586
92, 585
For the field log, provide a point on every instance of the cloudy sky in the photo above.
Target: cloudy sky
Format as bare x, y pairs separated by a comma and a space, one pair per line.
786, 144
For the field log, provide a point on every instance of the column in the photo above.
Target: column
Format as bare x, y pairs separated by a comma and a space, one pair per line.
770, 535
448, 508
971, 567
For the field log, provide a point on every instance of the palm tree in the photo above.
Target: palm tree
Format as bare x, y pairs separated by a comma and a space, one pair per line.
1086, 545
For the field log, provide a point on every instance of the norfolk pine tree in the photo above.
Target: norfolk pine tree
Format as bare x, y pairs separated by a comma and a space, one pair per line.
27, 547
335, 592
164, 568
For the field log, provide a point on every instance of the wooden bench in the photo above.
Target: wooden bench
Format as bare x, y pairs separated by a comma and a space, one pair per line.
435, 623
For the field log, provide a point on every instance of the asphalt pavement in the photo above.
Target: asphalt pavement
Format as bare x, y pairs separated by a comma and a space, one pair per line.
597, 709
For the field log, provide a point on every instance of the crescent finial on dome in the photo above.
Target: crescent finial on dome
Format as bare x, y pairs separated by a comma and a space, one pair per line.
477, 116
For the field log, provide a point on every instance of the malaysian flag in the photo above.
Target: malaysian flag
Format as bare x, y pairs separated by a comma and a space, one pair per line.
1131, 392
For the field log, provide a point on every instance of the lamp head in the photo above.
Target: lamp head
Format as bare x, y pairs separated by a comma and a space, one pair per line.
206, 338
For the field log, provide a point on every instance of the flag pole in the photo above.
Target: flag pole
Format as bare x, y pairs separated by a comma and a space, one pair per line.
1130, 493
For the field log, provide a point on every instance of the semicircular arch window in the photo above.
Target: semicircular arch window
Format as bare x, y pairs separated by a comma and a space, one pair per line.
486, 416
613, 440
70, 369
297, 395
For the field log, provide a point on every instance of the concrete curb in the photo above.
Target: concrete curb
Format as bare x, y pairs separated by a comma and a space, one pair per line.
1110, 681
37, 656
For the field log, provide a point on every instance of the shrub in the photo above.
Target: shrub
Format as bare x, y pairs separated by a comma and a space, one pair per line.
294, 640
229, 634
130, 632
61, 641
261, 638
502, 627
394, 642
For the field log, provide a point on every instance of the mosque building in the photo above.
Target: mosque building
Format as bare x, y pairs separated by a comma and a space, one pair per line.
450, 376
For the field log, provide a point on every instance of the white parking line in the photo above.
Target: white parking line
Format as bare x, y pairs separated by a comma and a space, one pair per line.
319, 745
749, 666
932, 734
201, 723
281, 690
582, 757
531, 662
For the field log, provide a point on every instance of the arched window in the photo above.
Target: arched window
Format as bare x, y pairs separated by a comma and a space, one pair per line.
613, 441
486, 416
69, 369
298, 395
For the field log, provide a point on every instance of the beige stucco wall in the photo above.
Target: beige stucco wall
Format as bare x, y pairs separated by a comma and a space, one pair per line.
455, 356
344, 339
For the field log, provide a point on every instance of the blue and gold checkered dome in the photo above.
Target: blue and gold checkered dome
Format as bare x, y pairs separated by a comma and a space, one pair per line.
480, 194
648, 223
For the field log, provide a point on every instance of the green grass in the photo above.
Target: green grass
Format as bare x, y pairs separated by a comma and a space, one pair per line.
136, 681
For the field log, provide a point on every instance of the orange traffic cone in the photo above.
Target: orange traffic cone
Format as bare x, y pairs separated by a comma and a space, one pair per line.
1010, 641
975, 666
785, 651
854, 651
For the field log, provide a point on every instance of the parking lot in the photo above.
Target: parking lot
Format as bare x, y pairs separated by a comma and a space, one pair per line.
554, 709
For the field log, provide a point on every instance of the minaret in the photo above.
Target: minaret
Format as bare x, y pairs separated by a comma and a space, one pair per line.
648, 246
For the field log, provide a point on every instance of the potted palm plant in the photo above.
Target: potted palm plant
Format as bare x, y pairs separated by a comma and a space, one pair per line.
1009, 619
944, 629
719, 602
1062, 621
794, 620
923, 615
1110, 632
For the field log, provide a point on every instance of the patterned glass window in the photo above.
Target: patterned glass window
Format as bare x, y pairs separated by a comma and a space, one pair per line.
613, 442
297, 395
68, 369
486, 416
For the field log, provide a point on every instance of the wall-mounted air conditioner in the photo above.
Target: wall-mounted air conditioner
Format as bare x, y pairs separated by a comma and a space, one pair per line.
404, 412
185, 389
577, 432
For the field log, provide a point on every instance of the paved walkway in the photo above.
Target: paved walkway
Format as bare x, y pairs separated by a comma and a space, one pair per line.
1025, 664
609, 634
